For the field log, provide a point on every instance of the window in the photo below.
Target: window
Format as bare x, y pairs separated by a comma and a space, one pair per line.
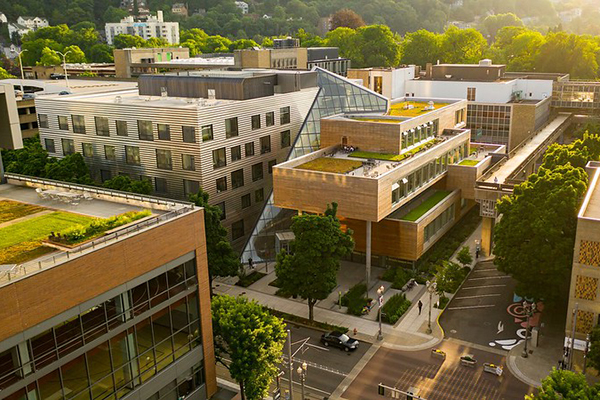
270, 116
265, 144
145, 130
105, 175
257, 172
237, 229
63, 123
43, 118
188, 162
87, 149
121, 128
110, 153
259, 195
236, 153
270, 165
222, 207
161, 185
101, 126
231, 127
49, 144
246, 201
163, 159
68, 146
221, 184
164, 131
189, 134
190, 187
132, 155
256, 122
249, 149
219, 159
78, 123
207, 133
471, 94
285, 139
284, 115
237, 179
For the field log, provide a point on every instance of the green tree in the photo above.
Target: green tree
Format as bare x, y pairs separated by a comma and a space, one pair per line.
421, 47
49, 57
30, 160
573, 54
493, 23
342, 38
310, 269
376, 46
464, 256
126, 184
523, 51
75, 55
222, 259
576, 154
449, 276
462, 46
114, 14
5, 75
156, 42
536, 234
241, 44
71, 168
101, 53
565, 385
593, 356
252, 339
127, 41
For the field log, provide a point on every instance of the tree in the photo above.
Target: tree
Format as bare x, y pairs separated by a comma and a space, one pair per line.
536, 234
30, 160
593, 355
522, 53
49, 57
126, 184
156, 42
462, 46
310, 269
421, 47
252, 339
114, 14
128, 41
573, 54
342, 38
5, 75
346, 18
493, 23
71, 168
566, 385
222, 259
449, 276
376, 46
464, 256
101, 53
576, 154
241, 44
75, 54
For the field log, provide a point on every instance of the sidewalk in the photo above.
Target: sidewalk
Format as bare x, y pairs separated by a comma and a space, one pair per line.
540, 361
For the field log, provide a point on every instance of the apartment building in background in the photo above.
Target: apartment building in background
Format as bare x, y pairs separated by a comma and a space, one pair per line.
219, 131
131, 319
130, 61
24, 25
149, 27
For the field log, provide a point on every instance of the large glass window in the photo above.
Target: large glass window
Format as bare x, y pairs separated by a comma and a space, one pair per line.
256, 122
265, 144
43, 119
221, 184
163, 159
207, 133
246, 201
78, 123
110, 153
237, 229
160, 185
145, 130
68, 336
249, 148
121, 128
257, 172
101, 126
188, 162
236, 153
189, 134
231, 127
284, 115
237, 179
132, 155
63, 123
285, 139
68, 146
259, 195
190, 187
49, 144
87, 149
164, 131
270, 118
219, 158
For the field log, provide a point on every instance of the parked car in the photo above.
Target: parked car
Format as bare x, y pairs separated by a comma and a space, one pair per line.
340, 340
57, 76
64, 93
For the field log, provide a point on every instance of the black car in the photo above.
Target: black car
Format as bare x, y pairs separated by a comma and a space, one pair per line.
338, 339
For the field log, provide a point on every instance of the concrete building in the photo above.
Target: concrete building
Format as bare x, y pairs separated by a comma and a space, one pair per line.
222, 131
131, 319
132, 61
242, 5
152, 26
26, 24
47, 72
179, 9
10, 127
142, 7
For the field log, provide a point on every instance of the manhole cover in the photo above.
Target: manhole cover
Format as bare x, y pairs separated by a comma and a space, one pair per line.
453, 331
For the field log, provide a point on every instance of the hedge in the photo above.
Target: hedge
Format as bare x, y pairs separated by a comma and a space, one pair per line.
394, 308
249, 279
355, 299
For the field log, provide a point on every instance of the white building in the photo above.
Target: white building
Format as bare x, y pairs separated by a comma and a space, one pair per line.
242, 5
3, 19
151, 27
26, 24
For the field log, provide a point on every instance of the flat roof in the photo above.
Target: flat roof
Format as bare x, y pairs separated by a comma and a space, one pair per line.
591, 205
76, 86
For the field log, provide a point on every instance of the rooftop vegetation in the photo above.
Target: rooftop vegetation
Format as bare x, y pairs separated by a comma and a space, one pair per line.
329, 164
380, 120
394, 157
427, 205
10, 210
399, 109
469, 163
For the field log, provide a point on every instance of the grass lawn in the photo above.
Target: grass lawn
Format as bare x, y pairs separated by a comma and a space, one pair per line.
10, 210
329, 164
469, 163
398, 109
426, 205
381, 120
393, 157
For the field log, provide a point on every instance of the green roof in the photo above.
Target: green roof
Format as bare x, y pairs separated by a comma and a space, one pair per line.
329, 164
427, 205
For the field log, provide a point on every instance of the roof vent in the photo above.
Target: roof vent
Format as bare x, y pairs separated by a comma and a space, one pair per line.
485, 63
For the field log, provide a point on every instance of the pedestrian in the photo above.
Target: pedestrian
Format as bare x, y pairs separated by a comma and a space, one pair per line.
477, 250
250, 263
420, 305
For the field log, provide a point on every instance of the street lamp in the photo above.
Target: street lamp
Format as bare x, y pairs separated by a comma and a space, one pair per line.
302, 372
431, 288
64, 57
380, 301
21, 65
529, 310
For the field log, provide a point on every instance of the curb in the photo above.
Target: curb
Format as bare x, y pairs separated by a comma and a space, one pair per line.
512, 367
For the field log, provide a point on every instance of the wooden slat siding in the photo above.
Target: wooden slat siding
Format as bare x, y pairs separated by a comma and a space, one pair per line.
367, 136
188, 115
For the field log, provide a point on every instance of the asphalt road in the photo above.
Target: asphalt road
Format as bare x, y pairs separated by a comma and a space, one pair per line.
436, 379
485, 310
327, 367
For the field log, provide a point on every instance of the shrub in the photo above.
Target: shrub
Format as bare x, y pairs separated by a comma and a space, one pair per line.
401, 278
464, 256
449, 277
442, 303
394, 308
249, 279
355, 299
304, 321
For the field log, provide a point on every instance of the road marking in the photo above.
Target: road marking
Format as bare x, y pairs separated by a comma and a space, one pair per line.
481, 287
500, 328
489, 277
469, 307
475, 297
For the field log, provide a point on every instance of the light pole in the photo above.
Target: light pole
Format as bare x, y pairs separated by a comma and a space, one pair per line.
585, 353
431, 288
380, 301
529, 311
64, 57
302, 372
21, 66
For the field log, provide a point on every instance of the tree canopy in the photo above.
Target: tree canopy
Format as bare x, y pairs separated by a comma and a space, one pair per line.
565, 385
252, 339
346, 18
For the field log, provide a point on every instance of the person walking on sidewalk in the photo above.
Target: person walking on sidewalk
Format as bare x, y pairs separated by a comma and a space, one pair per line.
420, 305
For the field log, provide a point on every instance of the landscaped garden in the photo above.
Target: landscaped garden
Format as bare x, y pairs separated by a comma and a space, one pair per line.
330, 164
381, 120
399, 109
394, 157
427, 205
394, 308
355, 299
10, 210
469, 163
251, 278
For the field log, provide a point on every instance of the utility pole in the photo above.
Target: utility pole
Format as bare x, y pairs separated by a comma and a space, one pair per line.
290, 364
64, 57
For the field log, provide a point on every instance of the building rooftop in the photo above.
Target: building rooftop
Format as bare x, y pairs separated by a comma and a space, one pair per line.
590, 209
76, 86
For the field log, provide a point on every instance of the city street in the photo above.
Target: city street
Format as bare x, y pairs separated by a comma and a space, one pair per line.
437, 379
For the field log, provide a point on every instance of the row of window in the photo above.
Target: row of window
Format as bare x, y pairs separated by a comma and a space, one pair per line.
220, 156
419, 134
438, 223
237, 176
145, 128
421, 176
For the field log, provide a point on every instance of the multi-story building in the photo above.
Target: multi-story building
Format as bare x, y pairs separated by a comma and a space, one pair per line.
179, 9
130, 62
220, 131
142, 7
115, 317
242, 5
10, 127
26, 24
152, 26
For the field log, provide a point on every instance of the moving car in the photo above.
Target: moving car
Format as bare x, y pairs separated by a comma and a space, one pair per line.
340, 340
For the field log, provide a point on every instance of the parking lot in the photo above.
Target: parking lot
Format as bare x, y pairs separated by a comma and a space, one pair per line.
485, 310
